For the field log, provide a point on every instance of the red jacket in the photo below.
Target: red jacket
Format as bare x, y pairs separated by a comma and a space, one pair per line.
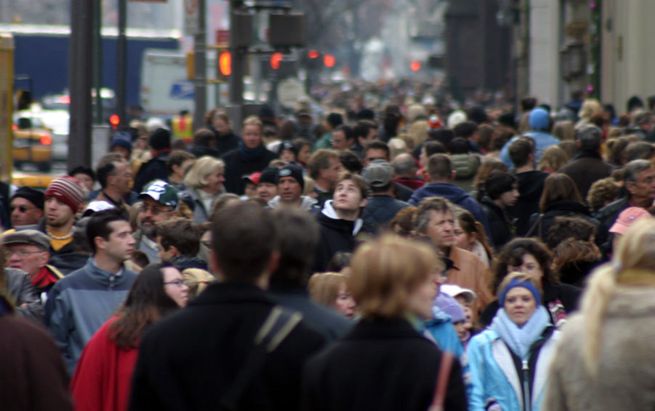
103, 376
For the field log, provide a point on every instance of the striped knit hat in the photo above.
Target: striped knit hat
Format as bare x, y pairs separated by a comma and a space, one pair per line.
67, 190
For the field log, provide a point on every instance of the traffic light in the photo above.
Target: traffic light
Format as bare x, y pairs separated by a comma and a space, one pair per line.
225, 63
329, 60
276, 60
313, 54
415, 66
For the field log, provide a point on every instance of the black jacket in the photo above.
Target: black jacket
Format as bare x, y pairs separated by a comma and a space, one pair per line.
154, 169
585, 169
382, 364
191, 359
238, 164
607, 216
500, 223
531, 184
226, 142
540, 223
336, 236
380, 210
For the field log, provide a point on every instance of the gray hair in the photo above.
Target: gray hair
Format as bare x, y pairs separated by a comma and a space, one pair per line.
633, 168
589, 137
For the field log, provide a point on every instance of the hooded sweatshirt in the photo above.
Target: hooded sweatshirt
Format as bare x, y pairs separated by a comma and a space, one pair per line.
337, 235
539, 121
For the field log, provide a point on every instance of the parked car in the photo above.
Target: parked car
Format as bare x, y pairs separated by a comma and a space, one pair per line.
32, 143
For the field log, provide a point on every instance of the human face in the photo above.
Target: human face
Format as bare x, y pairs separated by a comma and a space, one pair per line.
441, 229
304, 154
375, 154
339, 141
519, 305
120, 244
26, 257
462, 238
252, 136
181, 170
121, 178
215, 181
462, 330
174, 286
85, 180
23, 212
165, 255
150, 213
266, 191
57, 214
372, 135
288, 156
422, 298
289, 189
331, 174
348, 197
508, 198
529, 265
220, 125
644, 187
345, 304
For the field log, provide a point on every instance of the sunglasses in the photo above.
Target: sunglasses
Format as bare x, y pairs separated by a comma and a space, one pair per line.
21, 208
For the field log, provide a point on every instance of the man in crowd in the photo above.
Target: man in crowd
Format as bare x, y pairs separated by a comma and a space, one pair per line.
324, 167
160, 201
340, 219
81, 302
178, 240
63, 199
405, 169
115, 177
530, 182
179, 162
156, 168
343, 138
381, 206
249, 354
267, 185
290, 186
364, 131
539, 122
26, 207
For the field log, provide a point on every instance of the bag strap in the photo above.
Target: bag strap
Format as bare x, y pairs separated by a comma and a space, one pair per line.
277, 326
534, 226
442, 381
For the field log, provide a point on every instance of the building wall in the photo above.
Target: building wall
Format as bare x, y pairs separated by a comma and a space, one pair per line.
544, 59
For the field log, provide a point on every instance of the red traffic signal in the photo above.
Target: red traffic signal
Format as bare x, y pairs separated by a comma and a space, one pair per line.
225, 63
415, 66
114, 121
313, 54
329, 60
276, 59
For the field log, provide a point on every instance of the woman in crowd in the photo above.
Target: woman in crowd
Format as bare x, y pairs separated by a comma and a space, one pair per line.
471, 236
204, 183
501, 193
605, 356
486, 168
393, 281
103, 375
509, 361
330, 289
559, 198
531, 256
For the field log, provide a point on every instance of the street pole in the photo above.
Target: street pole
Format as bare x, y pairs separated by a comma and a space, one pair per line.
238, 59
121, 62
97, 60
200, 67
80, 76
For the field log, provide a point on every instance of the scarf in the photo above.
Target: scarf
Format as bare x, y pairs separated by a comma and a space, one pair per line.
519, 340
251, 154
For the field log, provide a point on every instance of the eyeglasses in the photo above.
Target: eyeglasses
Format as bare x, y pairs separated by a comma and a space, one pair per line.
155, 210
21, 208
22, 253
178, 283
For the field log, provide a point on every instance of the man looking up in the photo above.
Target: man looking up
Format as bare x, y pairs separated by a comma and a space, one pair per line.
81, 302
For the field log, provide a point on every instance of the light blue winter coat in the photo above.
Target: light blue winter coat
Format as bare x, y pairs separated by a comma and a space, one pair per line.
494, 374
539, 122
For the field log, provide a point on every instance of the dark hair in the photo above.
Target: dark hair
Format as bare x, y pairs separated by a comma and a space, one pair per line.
439, 166
569, 227
378, 145
528, 103
589, 138
639, 150
442, 135
459, 145
98, 225
334, 120
362, 128
339, 261
83, 170
204, 137
181, 233
512, 255
107, 166
472, 226
298, 238
146, 303
351, 162
392, 119
558, 187
520, 150
465, 129
177, 158
243, 239
499, 182
347, 131
434, 147
300, 142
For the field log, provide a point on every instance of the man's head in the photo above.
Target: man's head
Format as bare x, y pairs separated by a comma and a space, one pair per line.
588, 138
365, 131
160, 140
521, 152
298, 235
639, 176
466, 129
502, 187
350, 195
429, 149
26, 206
244, 244
378, 175
404, 165
160, 200
85, 175
440, 168
121, 144
290, 184
63, 200
376, 150
178, 237
435, 220
109, 235
324, 167
343, 138
179, 162
267, 185
644, 121
252, 131
27, 250
114, 173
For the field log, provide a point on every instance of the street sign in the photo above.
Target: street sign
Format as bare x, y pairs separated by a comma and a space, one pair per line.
222, 38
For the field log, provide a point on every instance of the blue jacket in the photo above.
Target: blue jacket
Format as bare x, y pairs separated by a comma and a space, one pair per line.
455, 195
80, 303
380, 210
494, 375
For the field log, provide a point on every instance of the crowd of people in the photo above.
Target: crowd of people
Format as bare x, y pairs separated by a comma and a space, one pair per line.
399, 257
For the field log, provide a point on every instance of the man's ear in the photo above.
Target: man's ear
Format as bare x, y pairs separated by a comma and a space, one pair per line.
99, 242
174, 250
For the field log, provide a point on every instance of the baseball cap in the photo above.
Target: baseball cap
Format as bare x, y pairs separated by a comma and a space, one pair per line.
626, 218
378, 173
268, 175
455, 290
33, 237
161, 192
252, 178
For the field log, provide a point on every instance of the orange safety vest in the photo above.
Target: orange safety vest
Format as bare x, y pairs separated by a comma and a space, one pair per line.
183, 128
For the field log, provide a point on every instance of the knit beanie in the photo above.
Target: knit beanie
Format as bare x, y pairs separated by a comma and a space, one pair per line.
122, 139
293, 171
160, 139
67, 190
32, 195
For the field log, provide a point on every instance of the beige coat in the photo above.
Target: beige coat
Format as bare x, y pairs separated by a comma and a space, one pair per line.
626, 362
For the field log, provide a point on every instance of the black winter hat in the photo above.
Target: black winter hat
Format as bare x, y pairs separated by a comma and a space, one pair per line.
293, 171
32, 195
499, 182
160, 139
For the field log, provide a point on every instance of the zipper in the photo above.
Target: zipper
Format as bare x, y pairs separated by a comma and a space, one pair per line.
527, 399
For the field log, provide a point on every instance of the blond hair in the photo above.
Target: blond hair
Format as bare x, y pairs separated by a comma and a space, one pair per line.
197, 280
635, 251
324, 287
385, 271
203, 167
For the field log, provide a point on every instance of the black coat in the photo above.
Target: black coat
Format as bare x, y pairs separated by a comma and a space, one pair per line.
238, 165
500, 223
585, 169
336, 236
540, 223
531, 184
226, 142
189, 360
154, 169
380, 365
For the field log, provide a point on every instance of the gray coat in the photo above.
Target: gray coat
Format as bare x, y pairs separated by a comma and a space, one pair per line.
21, 290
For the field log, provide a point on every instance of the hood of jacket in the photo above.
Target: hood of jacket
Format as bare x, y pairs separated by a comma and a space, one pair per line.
465, 165
452, 192
539, 119
531, 184
330, 218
